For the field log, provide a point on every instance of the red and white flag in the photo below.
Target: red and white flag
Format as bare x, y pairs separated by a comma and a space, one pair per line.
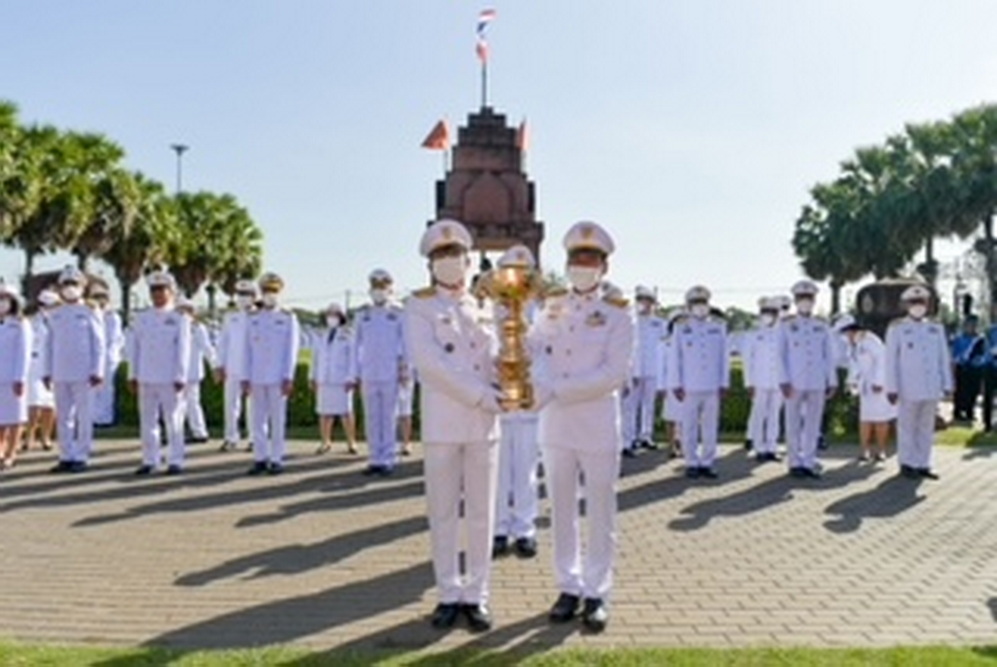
438, 138
481, 47
523, 136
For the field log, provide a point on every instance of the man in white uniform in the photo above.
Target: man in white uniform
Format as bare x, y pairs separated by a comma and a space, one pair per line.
201, 352
637, 403
231, 356
452, 342
699, 375
760, 355
271, 350
587, 344
808, 376
918, 375
114, 340
74, 363
381, 361
160, 354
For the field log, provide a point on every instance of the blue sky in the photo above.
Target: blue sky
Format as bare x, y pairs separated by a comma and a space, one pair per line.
691, 129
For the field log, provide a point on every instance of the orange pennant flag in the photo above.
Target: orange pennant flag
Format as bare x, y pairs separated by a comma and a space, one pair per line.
438, 138
523, 137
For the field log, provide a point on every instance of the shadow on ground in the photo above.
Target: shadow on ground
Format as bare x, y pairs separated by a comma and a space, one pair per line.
891, 497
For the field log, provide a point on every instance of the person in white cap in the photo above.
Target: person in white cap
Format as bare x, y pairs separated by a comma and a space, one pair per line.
452, 343
699, 376
158, 372
517, 497
918, 376
867, 375
382, 366
231, 354
271, 358
201, 352
114, 340
15, 358
41, 401
74, 364
638, 397
808, 376
587, 347
333, 373
760, 355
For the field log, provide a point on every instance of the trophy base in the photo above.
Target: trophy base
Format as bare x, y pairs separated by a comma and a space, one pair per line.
510, 404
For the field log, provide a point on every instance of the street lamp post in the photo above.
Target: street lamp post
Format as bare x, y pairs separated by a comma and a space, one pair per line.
179, 149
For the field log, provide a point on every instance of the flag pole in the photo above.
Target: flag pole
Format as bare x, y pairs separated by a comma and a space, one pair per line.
484, 83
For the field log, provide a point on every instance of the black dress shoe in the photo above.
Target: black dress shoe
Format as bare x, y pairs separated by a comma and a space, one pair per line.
708, 473
810, 473
692, 472
385, 471
926, 473
526, 547
143, 471
274, 468
595, 615
479, 619
196, 440
500, 546
174, 470
909, 472
629, 452
648, 444
565, 608
78, 466
61, 466
798, 472
748, 444
372, 470
444, 616
259, 468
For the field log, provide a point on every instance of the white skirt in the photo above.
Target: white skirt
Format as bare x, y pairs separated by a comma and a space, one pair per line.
333, 399
405, 392
875, 407
13, 409
39, 396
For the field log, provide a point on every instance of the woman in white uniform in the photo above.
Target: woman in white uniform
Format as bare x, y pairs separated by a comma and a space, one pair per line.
867, 374
334, 369
15, 356
41, 400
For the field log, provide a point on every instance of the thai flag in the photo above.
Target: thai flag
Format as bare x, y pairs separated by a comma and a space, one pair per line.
481, 48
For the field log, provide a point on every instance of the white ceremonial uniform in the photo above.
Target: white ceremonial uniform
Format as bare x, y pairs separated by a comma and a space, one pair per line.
919, 371
700, 366
587, 344
15, 358
114, 340
231, 355
808, 364
38, 394
334, 365
74, 353
201, 352
452, 345
406, 395
867, 370
271, 357
160, 355
760, 355
637, 403
671, 408
381, 361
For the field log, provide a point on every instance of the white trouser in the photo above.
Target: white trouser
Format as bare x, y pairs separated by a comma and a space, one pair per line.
763, 424
592, 578
269, 417
700, 422
380, 401
453, 472
233, 407
804, 413
915, 432
155, 400
74, 419
637, 410
516, 500
103, 411
192, 410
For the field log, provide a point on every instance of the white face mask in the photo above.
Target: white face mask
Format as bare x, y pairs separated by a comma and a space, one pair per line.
243, 301
379, 296
269, 300
5, 307
584, 278
805, 306
332, 321
918, 311
71, 293
700, 310
449, 271
767, 320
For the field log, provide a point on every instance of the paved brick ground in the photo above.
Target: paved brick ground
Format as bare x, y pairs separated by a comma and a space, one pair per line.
325, 557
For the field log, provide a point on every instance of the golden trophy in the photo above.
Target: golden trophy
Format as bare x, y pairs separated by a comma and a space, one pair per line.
512, 285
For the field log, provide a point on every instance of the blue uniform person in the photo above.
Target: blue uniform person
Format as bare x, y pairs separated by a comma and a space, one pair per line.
969, 354
382, 367
918, 376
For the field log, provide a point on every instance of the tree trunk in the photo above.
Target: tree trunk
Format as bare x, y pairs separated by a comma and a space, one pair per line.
211, 290
29, 270
835, 298
126, 300
930, 267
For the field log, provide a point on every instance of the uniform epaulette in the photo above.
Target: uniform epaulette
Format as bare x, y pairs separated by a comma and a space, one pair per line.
555, 291
617, 301
424, 292
789, 318
680, 319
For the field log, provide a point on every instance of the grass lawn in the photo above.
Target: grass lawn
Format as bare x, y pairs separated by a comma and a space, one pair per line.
58, 656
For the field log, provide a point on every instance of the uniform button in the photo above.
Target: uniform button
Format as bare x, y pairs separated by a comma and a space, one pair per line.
477, 367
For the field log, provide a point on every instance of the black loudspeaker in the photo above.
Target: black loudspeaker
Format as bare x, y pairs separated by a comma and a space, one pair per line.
967, 305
